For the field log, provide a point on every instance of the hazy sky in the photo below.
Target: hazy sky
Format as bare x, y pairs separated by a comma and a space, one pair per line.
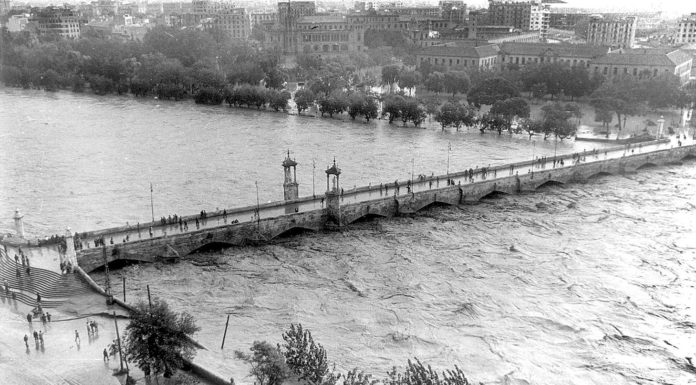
672, 7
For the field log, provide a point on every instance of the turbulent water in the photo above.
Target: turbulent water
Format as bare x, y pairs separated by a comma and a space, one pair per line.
588, 283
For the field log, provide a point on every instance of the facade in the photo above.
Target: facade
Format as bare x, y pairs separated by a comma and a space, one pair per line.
17, 23
687, 30
218, 15
317, 34
462, 57
258, 18
521, 54
611, 31
55, 20
567, 20
527, 15
645, 63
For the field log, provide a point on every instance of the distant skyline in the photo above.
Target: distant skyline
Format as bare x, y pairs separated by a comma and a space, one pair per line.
671, 8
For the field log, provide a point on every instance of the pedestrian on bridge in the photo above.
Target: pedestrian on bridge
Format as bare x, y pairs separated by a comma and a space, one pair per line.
36, 336
26, 341
38, 298
77, 337
41, 337
29, 317
16, 260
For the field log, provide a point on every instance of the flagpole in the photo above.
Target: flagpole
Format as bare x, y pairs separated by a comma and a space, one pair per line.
152, 206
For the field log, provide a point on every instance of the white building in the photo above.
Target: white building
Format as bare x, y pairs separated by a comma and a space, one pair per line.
687, 30
17, 23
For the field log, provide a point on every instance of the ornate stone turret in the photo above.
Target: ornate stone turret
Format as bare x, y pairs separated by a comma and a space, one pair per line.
70, 255
19, 224
333, 192
290, 186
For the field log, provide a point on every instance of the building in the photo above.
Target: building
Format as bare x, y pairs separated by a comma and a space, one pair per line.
567, 20
612, 31
461, 57
56, 20
258, 18
320, 34
17, 23
520, 54
645, 63
218, 15
686, 33
525, 15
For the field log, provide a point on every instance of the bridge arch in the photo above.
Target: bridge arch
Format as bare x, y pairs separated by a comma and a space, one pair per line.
599, 175
495, 194
549, 183
646, 165
292, 231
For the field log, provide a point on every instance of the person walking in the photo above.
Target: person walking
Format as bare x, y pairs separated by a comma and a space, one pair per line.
38, 297
48, 316
26, 341
29, 318
41, 337
36, 336
77, 337
106, 355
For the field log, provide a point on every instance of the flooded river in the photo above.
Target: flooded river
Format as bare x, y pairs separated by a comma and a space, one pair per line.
588, 283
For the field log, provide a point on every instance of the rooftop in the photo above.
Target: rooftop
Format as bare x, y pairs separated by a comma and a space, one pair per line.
549, 49
648, 57
462, 50
317, 19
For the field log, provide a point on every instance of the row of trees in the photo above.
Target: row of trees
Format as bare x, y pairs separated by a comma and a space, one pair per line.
244, 95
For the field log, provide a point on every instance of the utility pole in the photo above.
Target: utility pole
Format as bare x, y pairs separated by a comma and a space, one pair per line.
152, 205
258, 209
225, 334
314, 168
120, 351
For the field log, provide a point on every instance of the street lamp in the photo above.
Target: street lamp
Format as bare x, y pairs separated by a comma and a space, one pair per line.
449, 148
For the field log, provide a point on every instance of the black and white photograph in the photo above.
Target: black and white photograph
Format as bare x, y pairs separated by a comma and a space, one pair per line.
341, 192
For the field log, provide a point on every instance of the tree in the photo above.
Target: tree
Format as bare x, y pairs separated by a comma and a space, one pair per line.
392, 107
456, 82
267, 363
409, 79
509, 109
412, 111
418, 374
603, 115
157, 339
278, 100
490, 91
208, 95
304, 98
556, 122
303, 356
435, 82
455, 114
390, 75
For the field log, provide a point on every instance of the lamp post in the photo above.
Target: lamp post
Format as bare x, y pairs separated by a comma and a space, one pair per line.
152, 205
314, 167
449, 148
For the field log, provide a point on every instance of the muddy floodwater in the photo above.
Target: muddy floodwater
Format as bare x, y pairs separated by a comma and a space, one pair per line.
590, 283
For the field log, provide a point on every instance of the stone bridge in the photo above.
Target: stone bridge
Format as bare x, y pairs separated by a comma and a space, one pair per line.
337, 208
